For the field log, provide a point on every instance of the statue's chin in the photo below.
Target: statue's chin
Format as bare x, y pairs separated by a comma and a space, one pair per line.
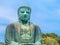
24, 20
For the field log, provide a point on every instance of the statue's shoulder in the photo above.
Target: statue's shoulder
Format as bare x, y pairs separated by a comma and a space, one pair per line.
37, 27
13, 24
16, 23
34, 24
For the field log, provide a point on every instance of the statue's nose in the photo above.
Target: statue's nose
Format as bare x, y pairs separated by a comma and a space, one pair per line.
25, 12
25, 15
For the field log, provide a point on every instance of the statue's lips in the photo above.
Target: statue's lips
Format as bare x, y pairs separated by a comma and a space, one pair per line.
24, 17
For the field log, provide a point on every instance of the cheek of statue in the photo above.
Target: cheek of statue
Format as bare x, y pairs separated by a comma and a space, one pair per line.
24, 16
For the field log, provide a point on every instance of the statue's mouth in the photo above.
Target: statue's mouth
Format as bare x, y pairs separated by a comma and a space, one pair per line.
25, 16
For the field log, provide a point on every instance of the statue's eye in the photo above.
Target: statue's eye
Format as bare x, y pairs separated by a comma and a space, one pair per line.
27, 12
22, 11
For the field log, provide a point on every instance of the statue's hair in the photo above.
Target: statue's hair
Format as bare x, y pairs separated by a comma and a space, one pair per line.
24, 7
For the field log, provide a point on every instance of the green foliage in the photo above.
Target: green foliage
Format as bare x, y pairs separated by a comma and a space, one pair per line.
50, 39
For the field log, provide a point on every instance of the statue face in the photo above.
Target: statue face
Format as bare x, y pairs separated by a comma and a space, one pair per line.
24, 14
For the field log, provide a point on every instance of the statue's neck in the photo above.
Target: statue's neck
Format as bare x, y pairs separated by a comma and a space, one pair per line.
23, 22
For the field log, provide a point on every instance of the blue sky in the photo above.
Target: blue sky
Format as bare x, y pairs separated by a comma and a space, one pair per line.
45, 13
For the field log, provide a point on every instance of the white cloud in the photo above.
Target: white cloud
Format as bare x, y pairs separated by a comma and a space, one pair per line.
8, 13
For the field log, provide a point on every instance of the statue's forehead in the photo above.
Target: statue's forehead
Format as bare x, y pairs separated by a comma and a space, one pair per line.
26, 9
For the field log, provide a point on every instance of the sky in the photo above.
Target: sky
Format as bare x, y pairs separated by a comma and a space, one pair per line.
45, 13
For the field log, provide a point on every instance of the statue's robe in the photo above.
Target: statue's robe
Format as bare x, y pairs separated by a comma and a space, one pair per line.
17, 35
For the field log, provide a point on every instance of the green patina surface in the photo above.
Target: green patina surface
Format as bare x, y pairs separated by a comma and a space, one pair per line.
23, 31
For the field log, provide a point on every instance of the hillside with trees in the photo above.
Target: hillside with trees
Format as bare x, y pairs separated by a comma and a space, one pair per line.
48, 39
